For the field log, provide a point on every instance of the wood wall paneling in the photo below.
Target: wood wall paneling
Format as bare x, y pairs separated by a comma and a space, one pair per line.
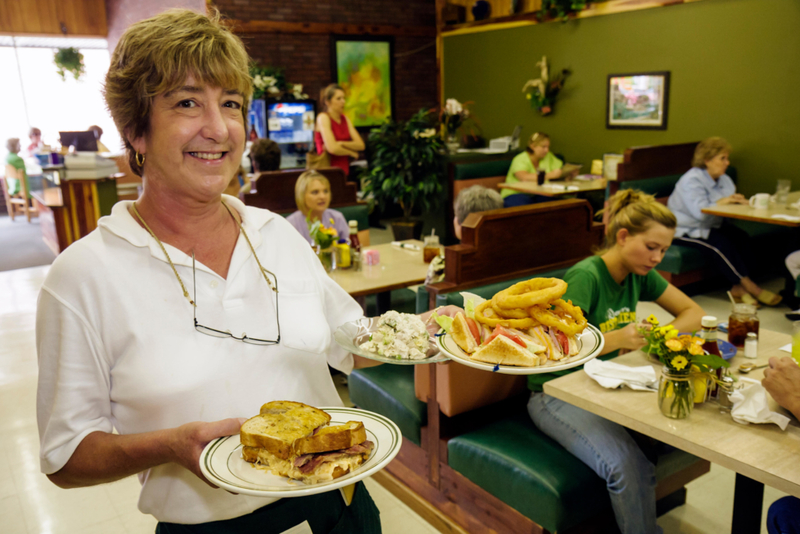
86, 18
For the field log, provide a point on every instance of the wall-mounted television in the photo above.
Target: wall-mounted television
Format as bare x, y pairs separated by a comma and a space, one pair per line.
291, 121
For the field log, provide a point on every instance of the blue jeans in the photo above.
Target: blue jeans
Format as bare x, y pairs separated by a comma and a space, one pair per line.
784, 516
609, 451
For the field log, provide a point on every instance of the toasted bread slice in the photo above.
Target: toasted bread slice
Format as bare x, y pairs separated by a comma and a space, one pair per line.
280, 424
332, 438
461, 334
502, 350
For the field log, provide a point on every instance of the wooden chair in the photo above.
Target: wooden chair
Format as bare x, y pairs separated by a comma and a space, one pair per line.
17, 205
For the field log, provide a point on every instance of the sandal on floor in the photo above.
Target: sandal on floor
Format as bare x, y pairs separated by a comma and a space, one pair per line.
747, 298
769, 298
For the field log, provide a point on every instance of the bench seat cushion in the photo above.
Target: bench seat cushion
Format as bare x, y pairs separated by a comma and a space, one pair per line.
521, 466
389, 390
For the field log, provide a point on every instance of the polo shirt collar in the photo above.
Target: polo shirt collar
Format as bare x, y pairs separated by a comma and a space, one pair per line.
122, 224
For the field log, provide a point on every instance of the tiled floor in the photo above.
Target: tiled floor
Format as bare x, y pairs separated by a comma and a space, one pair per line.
30, 504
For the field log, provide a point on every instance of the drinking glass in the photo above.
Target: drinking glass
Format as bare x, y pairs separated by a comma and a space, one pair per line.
431, 249
782, 191
796, 341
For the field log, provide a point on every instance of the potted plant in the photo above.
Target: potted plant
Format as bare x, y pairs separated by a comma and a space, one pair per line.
405, 169
69, 60
542, 92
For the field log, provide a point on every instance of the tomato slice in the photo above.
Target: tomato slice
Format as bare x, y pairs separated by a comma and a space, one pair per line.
562, 340
474, 330
500, 331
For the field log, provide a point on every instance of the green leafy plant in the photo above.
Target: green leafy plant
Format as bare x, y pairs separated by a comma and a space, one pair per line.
69, 60
542, 91
560, 9
405, 166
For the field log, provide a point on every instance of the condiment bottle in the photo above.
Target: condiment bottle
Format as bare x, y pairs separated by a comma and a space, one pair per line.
751, 345
742, 321
343, 252
355, 243
709, 335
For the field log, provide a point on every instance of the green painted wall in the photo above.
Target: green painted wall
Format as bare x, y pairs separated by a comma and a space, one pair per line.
734, 70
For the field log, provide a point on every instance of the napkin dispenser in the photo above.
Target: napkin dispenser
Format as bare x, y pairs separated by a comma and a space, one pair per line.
503, 144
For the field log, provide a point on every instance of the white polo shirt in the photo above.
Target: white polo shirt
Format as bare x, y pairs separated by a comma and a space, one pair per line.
118, 349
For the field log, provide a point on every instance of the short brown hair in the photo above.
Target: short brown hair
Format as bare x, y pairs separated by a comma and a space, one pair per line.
34, 131
538, 138
156, 55
266, 155
636, 212
707, 149
301, 186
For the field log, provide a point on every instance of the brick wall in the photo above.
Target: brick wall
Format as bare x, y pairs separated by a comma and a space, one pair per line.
306, 58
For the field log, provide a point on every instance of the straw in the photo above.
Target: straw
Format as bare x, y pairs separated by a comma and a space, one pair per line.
730, 296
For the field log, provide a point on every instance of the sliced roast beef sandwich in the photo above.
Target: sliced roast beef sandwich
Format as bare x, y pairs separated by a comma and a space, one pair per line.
294, 440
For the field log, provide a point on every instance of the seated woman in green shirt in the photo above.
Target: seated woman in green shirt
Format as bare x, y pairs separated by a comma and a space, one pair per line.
14, 186
608, 287
525, 168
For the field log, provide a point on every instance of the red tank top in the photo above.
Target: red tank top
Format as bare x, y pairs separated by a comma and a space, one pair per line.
341, 132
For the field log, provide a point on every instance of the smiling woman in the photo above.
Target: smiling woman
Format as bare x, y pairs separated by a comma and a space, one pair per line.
163, 323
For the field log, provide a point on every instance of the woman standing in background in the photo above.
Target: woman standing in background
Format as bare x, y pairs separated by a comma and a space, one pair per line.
335, 134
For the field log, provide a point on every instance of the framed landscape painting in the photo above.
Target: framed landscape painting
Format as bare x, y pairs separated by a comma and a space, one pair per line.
637, 101
364, 68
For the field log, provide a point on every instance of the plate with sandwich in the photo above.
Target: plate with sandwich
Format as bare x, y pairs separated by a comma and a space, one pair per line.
291, 449
550, 336
396, 338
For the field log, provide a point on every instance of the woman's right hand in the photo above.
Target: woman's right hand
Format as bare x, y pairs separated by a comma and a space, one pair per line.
736, 198
189, 440
629, 337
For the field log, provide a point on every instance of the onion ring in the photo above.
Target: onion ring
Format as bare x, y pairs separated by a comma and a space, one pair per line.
517, 313
565, 317
521, 324
530, 293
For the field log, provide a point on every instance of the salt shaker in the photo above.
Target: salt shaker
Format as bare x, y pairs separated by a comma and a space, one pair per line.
751, 345
725, 387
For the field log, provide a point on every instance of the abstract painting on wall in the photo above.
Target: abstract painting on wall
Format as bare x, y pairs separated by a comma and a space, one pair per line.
364, 68
637, 101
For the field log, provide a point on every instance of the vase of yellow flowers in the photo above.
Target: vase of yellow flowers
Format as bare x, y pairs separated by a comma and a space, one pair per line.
324, 241
685, 365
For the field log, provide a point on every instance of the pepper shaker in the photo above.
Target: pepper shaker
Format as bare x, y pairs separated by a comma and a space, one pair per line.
725, 387
751, 345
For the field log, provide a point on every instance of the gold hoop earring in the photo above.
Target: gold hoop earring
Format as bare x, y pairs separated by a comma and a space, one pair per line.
139, 163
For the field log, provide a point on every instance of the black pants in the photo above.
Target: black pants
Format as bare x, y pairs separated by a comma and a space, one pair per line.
730, 245
326, 513
523, 199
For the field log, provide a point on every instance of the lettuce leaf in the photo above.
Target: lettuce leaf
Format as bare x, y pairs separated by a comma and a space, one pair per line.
444, 321
471, 301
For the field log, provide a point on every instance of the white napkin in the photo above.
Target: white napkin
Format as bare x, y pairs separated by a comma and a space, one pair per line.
559, 187
612, 375
784, 217
786, 348
750, 406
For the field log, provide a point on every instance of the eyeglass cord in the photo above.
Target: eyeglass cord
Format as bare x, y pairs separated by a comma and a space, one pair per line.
174, 270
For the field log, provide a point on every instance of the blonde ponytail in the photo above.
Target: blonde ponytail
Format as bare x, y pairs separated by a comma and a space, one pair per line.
636, 212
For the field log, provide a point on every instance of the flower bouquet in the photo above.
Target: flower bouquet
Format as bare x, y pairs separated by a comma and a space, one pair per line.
452, 117
686, 367
542, 92
324, 239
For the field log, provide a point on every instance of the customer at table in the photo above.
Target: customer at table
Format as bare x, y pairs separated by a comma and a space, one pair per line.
470, 200
312, 194
265, 155
35, 135
13, 159
526, 166
335, 133
129, 383
98, 133
782, 381
704, 185
608, 287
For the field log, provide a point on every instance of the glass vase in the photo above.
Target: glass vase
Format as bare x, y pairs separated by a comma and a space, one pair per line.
676, 393
452, 144
327, 257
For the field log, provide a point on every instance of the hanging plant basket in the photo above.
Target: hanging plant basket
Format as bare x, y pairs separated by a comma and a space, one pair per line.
69, 60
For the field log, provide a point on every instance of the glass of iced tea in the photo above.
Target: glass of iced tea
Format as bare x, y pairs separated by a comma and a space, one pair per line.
743, 320
431, 249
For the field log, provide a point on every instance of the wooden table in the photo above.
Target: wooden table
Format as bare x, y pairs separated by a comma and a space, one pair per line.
398, 268
556, 188
745, 212
759, 454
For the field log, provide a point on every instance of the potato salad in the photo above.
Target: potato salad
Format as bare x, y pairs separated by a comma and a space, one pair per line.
399, 335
